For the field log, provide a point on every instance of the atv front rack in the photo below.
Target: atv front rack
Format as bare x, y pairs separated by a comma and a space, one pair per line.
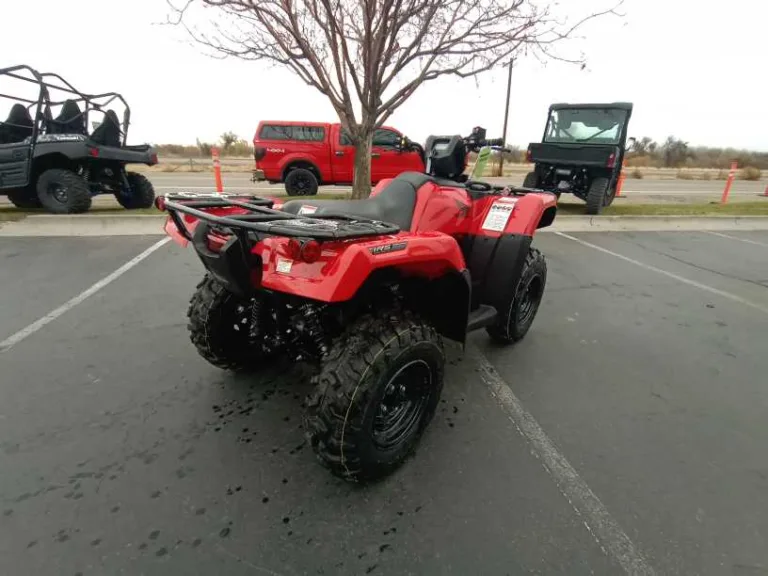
261, 218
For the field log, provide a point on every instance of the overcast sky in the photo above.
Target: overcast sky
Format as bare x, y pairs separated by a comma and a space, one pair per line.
693, 72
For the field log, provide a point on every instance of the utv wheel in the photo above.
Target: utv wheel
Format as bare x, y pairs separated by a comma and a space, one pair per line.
224, 327
531, 180
140, 195
516, 317
63, 192
597, 197
301, 182
375, 395
24, 198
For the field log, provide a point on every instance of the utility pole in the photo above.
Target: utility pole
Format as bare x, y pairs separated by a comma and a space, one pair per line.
506, 118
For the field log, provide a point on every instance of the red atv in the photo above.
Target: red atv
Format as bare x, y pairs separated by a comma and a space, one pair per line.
367, 289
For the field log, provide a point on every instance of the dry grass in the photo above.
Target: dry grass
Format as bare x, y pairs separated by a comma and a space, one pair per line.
758, 208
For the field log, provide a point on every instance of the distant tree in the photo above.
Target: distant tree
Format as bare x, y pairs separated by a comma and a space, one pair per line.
675, 152
643, 147
228, 139
369, 56
204, 147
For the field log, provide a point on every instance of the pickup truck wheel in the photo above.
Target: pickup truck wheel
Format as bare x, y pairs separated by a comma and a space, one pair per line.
23, 198
63, 192
140, 195
301, 182
376, 393
597, 197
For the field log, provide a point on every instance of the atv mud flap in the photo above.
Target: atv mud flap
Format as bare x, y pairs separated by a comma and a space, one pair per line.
228, 261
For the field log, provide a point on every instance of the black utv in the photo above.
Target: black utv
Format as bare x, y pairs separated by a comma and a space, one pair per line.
582, 152
49, 158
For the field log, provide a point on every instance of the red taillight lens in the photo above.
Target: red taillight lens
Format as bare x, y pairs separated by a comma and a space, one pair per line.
259, 152
93, 152
160, 203
294, 249
611, 160
310, 252
215, 242
528, 156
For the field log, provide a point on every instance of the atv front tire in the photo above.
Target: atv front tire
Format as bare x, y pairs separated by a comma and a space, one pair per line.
23, 198
517, 315
63, 192
140, 195
301, 182
598, 195
223, 328
375, 395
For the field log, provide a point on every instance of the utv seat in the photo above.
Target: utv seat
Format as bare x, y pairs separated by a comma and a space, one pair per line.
69, 121
394, 204
17, 127
108, 132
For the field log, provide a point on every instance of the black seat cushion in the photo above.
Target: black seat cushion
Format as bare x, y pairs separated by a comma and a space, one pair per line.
69, 121
394, 204
108, 132
17, 127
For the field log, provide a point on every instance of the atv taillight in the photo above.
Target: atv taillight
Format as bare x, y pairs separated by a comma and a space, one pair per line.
611, 160
215, 242
308, 251
160, 203
259, 152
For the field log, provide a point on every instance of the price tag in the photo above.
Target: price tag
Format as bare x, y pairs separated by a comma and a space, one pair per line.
498, 215
284, 265
307, 209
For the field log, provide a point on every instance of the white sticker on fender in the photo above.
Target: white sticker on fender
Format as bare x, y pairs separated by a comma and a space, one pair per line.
284, 265
498, 215
307, 209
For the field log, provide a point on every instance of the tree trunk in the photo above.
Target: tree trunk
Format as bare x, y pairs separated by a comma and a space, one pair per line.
361, 186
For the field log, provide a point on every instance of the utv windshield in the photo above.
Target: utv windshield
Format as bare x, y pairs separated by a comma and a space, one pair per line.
593, 125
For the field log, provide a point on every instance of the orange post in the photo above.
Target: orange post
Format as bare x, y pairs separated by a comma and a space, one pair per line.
766, 192
729, 183
622, 177
217, 170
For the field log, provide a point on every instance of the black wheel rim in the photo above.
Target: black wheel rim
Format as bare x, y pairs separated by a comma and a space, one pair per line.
402, 406
58, 192
302, 185
529, 300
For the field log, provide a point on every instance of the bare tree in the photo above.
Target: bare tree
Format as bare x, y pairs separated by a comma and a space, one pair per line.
228, 139
369, 56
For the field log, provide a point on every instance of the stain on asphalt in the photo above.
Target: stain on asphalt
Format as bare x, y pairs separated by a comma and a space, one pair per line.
196, 542
224, 532
96, 542
161, 552
154, 534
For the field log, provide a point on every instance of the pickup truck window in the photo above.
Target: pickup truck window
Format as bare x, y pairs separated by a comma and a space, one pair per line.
301, 133
381, 137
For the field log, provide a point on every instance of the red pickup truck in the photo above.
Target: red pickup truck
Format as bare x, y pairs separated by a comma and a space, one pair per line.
304, 155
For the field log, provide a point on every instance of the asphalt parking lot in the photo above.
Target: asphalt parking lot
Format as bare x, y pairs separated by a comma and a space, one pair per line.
641, 445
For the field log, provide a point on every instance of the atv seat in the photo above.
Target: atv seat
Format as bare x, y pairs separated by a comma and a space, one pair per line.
394, 204
108, 132
17, 127
69, 121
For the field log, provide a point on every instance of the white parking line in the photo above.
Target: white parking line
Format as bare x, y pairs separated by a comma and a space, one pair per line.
682, 279
597, 519
14, 339
746, 240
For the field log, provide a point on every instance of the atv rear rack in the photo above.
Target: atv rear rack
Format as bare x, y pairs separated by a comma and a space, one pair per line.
261, 218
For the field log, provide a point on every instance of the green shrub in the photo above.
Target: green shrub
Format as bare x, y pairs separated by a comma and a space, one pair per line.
750, 173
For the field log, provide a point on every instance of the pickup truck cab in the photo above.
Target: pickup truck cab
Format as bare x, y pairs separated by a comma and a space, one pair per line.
304, 155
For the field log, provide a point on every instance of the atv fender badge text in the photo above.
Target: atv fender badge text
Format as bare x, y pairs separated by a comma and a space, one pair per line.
387, 248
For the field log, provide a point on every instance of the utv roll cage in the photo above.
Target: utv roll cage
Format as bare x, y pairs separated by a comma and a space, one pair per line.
71, 119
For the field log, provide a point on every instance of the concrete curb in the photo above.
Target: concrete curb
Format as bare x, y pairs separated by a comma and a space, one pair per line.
152, 225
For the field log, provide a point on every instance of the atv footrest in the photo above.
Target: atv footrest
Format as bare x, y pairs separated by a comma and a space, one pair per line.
481, 317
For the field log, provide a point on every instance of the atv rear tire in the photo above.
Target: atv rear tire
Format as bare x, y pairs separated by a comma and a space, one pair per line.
597, 197
376, 393
301, 182
141, 194
63, 192
23, 198
516, 317
221, 326
531, 180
